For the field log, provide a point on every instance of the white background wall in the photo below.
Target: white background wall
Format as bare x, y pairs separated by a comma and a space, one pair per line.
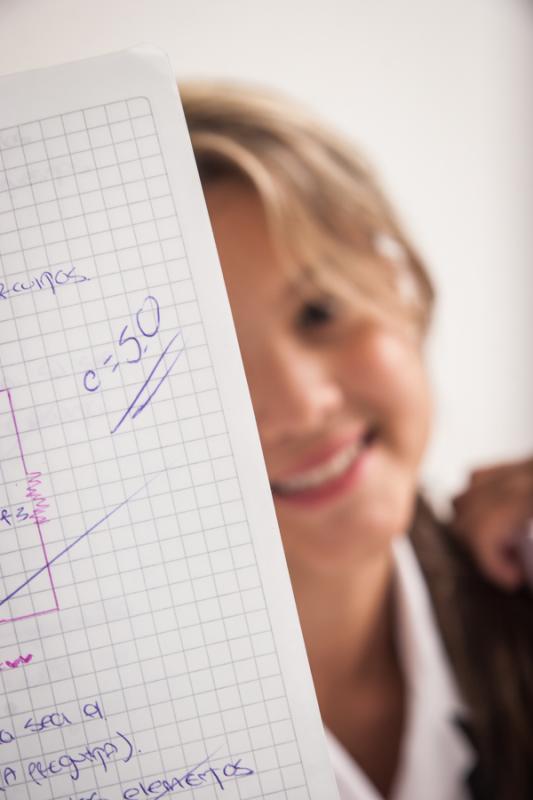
440, 95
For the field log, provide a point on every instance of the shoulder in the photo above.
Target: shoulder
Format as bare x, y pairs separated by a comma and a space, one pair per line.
488, 634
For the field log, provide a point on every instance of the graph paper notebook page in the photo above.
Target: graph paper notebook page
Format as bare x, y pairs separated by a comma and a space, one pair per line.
149, 645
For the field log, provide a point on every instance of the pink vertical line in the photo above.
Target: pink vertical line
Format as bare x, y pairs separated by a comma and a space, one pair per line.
10, 401
43, 546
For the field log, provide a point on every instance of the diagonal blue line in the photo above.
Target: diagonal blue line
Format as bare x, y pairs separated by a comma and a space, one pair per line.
147, 381
75, 542
165, 376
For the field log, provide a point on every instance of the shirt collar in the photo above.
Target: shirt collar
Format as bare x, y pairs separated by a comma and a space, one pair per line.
435, 756
424, 660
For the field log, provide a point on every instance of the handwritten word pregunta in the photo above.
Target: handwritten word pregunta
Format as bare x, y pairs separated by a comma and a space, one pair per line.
71, 763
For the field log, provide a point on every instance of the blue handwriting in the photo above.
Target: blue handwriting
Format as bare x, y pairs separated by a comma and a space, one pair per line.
129, 343
52, 719
70, 763
7, 515
200, 775
46, 280
147, 391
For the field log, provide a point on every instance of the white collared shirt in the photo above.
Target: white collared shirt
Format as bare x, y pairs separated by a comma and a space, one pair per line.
435, 756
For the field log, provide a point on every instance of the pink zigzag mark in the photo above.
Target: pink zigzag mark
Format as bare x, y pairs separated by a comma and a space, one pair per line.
18, 661
39, 502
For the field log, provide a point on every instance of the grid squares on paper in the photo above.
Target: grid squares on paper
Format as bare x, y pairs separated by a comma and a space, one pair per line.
90, 188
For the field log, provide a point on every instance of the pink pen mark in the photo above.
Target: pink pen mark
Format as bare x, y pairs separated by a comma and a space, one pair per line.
38, 517
39, 502
21, 661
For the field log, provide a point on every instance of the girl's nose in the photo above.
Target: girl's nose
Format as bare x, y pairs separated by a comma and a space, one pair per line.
294, 393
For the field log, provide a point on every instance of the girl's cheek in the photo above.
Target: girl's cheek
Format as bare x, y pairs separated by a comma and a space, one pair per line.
375, 359
387, 373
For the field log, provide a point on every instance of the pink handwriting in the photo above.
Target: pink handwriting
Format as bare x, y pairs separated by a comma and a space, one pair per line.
38, 500
18, 662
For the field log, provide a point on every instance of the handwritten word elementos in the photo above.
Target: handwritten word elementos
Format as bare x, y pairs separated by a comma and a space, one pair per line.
200, 775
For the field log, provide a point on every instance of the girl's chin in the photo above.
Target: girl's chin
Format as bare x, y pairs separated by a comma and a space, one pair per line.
346, 537
345, 548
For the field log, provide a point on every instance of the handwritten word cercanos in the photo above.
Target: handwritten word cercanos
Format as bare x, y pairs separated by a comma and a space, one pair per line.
45, 280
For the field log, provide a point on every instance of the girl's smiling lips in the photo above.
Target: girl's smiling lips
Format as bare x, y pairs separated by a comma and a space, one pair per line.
326, 474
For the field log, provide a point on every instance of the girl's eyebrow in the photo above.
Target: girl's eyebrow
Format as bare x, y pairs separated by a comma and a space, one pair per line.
296, 290
302, 283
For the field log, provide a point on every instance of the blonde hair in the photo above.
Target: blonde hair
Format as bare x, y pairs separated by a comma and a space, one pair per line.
321, 199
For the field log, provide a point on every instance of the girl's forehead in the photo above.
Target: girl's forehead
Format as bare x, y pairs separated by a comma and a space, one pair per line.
268, 272
248, 241
248, 250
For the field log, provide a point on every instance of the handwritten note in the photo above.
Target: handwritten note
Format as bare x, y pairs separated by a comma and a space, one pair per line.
149, 645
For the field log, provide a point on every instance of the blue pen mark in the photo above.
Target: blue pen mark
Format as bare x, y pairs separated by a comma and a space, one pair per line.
202, 774
143, 405
129, 341
136, 411
46, 280
76, 541
90, 381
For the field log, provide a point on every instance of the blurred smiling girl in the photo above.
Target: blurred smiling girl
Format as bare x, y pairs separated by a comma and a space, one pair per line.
331, 305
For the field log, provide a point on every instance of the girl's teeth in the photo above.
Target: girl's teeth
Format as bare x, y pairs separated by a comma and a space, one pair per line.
325, 472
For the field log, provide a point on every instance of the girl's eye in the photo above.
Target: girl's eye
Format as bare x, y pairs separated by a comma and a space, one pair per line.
317, 313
